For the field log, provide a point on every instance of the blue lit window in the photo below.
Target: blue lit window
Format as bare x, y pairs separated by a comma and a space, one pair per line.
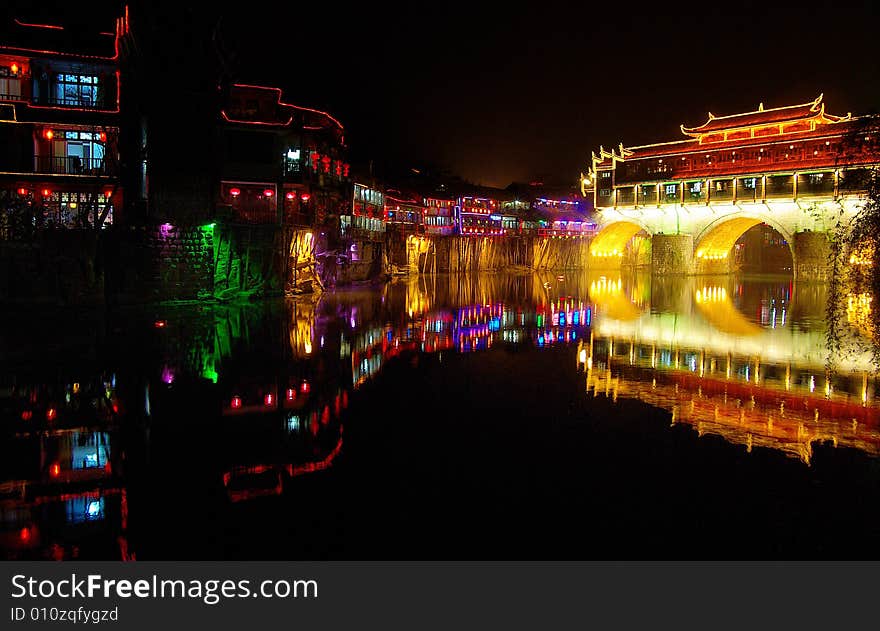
76, 90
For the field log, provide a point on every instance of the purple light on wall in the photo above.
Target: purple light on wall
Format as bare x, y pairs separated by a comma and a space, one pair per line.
167, 375
165, 229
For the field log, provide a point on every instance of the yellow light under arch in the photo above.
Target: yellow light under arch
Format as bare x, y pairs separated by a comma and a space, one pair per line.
612, 239
718, 242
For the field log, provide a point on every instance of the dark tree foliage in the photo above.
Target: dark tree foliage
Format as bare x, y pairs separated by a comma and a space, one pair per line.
854, 278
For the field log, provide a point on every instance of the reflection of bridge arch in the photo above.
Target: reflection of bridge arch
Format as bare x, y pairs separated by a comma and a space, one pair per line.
612, 238
718, 310
611, 300
718, 237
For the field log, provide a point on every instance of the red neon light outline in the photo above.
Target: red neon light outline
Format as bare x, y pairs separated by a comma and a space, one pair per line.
245, 122
280, 102
60, 54
49, 26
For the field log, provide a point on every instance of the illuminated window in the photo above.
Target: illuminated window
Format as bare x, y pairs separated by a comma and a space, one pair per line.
76, 90
292, 161
750, 183
10, 84
78, 153
670, 190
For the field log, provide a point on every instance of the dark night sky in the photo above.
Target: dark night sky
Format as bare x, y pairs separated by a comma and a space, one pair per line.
498, 93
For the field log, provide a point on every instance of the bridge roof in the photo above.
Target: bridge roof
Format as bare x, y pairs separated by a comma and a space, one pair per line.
693, 145
786, 114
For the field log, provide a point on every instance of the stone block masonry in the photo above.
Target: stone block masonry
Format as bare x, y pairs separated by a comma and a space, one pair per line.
159, 263
672, 254
812, 255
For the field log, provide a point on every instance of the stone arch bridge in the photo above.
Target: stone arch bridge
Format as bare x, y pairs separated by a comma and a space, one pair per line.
698, 239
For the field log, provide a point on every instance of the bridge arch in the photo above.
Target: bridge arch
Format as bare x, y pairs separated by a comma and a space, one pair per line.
610, 241
715, 241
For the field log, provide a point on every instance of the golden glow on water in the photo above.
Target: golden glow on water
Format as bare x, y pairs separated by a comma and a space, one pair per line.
711, 294
700, 363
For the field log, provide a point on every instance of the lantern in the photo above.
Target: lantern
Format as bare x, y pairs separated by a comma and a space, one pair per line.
268, 192
48, 134
235, 192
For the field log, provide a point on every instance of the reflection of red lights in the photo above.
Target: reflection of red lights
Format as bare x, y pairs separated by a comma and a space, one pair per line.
325, 416
269, 400
108, 467
236, 403
51, 414
305, 387
24, 535
291, 394
55, 470
160, 324
26, 415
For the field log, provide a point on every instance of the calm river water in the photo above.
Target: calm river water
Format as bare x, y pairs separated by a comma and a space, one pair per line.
578, 416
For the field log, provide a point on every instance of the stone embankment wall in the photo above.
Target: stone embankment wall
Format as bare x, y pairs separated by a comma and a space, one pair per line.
427, 254
118, 265
159, 263
812, 255
55, 268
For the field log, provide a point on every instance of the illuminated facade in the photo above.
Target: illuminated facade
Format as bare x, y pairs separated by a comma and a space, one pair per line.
479, 216
59, 128
439, 214
281, 163
405, 213
367, 219
785, 166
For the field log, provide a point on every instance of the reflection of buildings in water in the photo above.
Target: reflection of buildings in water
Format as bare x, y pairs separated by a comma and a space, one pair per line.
301, 330
858, 312
740, 400
62, 491
302, 436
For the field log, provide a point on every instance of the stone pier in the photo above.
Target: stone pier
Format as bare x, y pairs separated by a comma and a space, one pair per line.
812, 255
672, 254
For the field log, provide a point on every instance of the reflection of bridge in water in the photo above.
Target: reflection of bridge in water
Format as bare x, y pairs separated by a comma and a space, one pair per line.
731, 357
741, 359
759, 380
